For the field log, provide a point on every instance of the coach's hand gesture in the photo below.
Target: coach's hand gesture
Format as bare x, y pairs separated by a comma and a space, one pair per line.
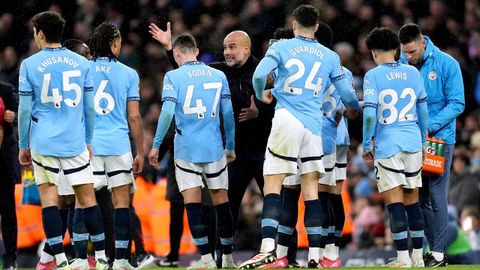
164, 37
248, 113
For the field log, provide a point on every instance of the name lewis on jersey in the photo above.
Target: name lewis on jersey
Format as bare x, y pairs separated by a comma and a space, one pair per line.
396, 75
56, 60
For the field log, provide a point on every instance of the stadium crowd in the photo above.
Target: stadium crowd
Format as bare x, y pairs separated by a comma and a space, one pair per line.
454, 26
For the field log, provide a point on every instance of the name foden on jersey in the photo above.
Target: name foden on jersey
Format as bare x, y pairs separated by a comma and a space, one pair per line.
56, 60
199, 72
307, 49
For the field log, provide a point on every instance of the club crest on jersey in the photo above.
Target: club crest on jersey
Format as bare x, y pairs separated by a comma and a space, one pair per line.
432, 75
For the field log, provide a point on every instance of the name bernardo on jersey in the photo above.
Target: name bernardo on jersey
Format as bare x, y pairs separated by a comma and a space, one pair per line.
56, 60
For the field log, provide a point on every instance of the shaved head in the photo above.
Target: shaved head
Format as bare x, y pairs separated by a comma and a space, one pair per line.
240, 36
236, 48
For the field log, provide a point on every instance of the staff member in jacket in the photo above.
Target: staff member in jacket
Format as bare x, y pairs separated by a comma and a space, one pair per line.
444, 84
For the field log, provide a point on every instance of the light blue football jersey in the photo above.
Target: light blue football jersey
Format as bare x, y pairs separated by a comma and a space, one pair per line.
394, 90
56, 78
196, 90
332, 103
115, 85
304, 66
331, 100
343, 138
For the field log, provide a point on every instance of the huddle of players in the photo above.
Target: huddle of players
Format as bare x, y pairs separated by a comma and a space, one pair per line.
394, 135
75, 117
302, 144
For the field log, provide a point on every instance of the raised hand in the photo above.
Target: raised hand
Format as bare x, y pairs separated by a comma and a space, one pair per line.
163, 37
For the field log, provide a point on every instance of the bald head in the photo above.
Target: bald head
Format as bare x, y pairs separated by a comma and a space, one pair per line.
241, 37
236, 48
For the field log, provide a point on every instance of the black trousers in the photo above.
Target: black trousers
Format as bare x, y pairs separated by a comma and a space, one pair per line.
240, 173
9, 219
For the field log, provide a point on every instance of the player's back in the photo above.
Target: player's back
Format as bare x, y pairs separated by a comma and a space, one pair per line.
331, 102
397, 89
115, 84
304, 67
343, 138
56, 78
199, 89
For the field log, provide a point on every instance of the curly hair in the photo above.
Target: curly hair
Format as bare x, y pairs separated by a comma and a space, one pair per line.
102, 40
382, 38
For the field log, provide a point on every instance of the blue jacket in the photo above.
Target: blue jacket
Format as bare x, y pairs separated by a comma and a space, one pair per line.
444, 84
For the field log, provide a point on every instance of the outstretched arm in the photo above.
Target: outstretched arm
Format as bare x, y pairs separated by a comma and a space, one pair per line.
164, 121
346, 91
259, 79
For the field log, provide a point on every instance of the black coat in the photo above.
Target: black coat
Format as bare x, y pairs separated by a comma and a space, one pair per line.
9, 166
250, 136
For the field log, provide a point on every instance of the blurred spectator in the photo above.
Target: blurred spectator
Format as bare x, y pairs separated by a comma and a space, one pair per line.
9, 67
464, 185
470, 222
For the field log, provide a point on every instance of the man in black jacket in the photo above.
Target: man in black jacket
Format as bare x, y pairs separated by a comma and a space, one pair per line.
9, 176
252, 117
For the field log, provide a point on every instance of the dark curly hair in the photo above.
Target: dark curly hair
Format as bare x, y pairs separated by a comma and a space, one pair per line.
102, 40
283, 33
382, 38
324, 35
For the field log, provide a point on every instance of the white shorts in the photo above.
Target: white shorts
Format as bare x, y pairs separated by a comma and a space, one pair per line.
403, 169
189, 175
341, 166
292, 148
292, 180
330, 176
114, 171
70, 171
